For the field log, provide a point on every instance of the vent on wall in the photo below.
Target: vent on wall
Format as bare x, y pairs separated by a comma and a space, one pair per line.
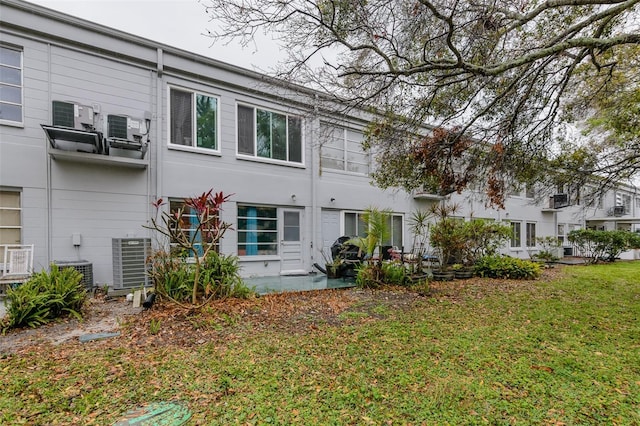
83, 266
129, 262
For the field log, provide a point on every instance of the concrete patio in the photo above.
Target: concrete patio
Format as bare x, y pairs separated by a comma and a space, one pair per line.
283, 283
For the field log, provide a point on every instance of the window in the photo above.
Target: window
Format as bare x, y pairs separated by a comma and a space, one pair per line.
194, 119
355, 226
516, 234
561, 233
638, 202
626, 202
342, 149
10, 85
530, 191
268, 134
10, 228
531, 234
189, 225
257, 230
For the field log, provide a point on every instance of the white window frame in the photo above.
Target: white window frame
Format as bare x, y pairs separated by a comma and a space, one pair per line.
194, 124
345, 151
20, 68
174, 204
276, 232
362, 233
530, 238
255, 156
627, 201
515, 242
11, 210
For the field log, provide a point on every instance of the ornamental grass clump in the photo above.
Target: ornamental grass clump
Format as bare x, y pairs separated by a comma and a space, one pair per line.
44, 297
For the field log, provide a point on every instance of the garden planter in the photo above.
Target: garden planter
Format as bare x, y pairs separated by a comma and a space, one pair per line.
463, 273
443, 275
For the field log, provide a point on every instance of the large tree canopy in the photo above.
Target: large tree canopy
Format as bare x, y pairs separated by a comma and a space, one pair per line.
494, 77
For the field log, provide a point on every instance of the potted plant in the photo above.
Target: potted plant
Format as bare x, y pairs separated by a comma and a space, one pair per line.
461, 271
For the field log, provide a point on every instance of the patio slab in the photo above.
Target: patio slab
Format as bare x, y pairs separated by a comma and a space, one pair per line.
282, 283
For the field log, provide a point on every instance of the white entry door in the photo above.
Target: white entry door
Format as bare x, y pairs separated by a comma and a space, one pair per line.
292, 262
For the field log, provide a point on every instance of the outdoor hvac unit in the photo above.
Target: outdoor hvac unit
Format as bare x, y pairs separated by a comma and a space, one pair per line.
618, 211
125, 136
129, 262
83, 266
73, 128
72, 115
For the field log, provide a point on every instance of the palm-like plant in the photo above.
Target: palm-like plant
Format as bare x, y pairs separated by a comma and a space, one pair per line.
378, 231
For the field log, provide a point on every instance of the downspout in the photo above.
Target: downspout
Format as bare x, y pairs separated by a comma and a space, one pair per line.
159, 145
314, 181
49, 225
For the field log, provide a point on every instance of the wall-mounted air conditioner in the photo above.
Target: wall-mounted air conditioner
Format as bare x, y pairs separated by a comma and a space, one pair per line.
73, 128
559, 200
125, 136
618, 210
73, 115
129, 262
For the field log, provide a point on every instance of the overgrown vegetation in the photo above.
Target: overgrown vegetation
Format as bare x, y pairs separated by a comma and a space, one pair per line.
464, 242
44, 297
219, 277
194, 270
507, 267
597, 245
477, 352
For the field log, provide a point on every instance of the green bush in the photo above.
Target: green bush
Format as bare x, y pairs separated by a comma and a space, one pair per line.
173, 277
374, 275
507, 267
394, 273
603, 245
368, 275
46, 296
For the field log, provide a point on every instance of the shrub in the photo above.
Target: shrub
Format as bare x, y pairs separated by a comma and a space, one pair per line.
507, 267
374, 275
603, 245
368, 275
44, 297
219, 277
394, 273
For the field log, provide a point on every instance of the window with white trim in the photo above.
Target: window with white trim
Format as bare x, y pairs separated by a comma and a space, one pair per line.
516, 234
269, 134
626, 202
193, 119
10, 212
531, 234
10, 86
354, 226
342, 149
257, 230
189, 223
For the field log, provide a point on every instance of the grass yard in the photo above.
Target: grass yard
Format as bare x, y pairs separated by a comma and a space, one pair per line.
554, 351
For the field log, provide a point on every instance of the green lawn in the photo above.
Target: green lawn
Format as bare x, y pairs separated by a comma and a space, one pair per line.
559, 352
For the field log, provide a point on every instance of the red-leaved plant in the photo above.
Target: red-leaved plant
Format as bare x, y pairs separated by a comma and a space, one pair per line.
197, 237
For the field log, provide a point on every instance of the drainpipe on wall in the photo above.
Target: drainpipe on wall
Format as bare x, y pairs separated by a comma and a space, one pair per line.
314, 183
48, 160
158, 116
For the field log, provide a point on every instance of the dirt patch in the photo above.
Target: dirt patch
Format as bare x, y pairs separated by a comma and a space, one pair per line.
100, 315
